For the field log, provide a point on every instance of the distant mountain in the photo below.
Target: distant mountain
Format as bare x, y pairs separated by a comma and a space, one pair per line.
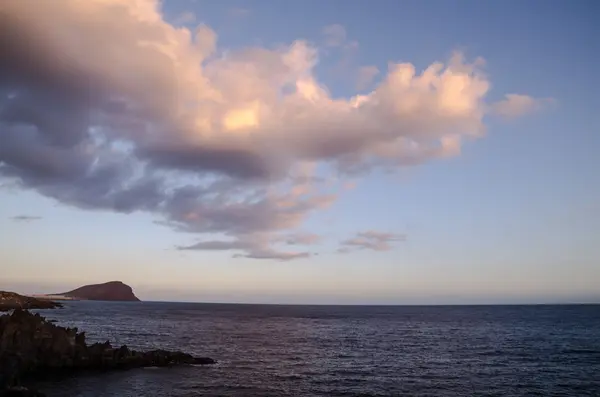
111, 291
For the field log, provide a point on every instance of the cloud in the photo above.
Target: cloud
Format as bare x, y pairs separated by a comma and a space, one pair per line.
257, 246
25, 218
105, 105
516, 105
185, 18
372, 240
366, 74
350, 185
301, 239
335, 35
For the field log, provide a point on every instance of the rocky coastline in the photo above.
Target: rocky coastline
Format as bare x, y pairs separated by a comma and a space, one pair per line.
11, 300
32, 347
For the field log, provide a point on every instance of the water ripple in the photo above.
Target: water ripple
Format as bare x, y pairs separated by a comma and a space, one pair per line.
345, 351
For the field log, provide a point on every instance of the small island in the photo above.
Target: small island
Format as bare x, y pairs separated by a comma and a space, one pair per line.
110, 291
115, 291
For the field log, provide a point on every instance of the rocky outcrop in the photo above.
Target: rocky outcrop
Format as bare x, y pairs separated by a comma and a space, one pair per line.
31, 346
20, 391
11, 300
111, 291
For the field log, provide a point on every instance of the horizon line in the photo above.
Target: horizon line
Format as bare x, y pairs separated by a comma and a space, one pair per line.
582, 303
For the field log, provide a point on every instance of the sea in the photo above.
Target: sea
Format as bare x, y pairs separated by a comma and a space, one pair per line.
281, 350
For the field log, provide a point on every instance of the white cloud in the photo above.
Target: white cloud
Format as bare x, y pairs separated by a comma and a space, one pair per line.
515, 105
140, 115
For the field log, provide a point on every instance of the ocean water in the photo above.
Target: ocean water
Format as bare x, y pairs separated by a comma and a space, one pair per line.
266, 350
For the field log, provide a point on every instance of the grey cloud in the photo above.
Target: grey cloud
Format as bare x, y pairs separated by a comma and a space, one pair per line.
25, 218
238, 216
253, 247
71, 133
95, 119
228, 161
216, 245
301, 239
30, 68
281, 256
372, 240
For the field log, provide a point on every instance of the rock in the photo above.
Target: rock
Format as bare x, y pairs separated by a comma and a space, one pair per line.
203, 361
31, 346
12, 300
20, 392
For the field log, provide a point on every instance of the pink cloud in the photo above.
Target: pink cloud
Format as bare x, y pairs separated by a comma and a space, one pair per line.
137, 114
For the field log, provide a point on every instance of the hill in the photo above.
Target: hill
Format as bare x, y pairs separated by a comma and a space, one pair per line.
12, 300
111, 291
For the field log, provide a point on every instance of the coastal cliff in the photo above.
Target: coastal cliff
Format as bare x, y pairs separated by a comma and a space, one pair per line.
12, 300
111, 291
32, 347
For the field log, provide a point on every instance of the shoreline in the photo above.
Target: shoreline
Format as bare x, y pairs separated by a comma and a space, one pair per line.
12, 300
52, 297
32, 347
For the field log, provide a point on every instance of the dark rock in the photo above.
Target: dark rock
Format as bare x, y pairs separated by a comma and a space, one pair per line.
12, 300
203, 361
20, 392
31, 346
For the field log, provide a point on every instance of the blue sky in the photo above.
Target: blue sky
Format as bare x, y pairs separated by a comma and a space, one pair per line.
514, 217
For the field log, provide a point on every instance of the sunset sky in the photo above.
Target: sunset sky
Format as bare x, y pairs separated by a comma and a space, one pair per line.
394, 152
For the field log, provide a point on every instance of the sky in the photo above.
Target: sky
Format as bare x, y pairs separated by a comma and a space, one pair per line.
389, 152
